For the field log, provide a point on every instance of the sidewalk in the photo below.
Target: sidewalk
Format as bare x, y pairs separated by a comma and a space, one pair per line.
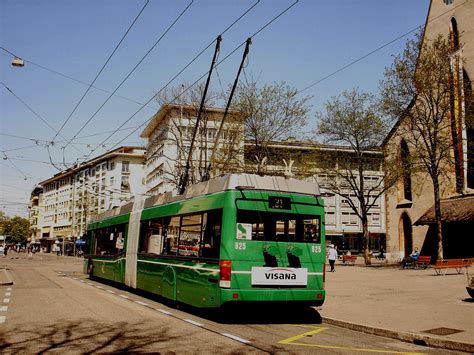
402, 304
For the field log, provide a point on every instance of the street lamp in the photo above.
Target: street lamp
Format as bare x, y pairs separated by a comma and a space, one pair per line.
18, 62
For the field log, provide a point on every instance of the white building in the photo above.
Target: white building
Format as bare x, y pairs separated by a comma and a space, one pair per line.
169, 136
70, 198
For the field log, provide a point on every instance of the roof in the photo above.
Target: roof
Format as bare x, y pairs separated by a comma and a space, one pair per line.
166, 110
452, 210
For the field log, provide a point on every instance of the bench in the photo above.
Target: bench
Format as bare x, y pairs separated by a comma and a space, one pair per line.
459, 264
348, 259
421, 263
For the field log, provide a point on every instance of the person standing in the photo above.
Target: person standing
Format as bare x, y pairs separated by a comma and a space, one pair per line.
332, 256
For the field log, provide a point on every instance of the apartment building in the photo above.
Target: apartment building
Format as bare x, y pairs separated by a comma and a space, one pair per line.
169, 136
318, 162
70, 198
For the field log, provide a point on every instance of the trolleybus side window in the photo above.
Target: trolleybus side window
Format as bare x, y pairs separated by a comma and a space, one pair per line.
211, 240
152, 237
280, 227
172, 235
109, 241
190, 236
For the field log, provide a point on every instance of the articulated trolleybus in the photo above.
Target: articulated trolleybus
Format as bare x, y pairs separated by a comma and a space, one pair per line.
235, 238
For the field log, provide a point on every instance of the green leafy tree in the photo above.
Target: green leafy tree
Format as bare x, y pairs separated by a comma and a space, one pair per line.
16, 229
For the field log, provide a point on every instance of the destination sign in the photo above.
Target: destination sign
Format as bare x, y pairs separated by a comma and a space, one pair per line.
279, 203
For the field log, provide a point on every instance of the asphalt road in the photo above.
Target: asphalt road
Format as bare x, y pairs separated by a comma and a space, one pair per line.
53, 307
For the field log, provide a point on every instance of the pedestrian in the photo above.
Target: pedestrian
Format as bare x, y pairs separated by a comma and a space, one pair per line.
332, 256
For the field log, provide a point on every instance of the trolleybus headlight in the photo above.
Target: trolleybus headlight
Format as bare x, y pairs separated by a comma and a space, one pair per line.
225, 267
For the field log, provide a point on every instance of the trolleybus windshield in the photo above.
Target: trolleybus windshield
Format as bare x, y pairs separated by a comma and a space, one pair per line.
278, 227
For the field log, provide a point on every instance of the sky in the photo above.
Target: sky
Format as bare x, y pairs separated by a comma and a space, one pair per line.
65, 43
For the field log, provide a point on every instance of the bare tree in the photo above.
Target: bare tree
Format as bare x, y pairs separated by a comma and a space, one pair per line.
271, 113
180, 128
352, 121
418, 89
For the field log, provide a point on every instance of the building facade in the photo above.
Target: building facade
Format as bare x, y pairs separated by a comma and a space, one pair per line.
71, 198
410, 216
169, 135
320, 163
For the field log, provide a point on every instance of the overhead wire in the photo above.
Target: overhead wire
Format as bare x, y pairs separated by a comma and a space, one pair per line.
75, 79
101, 69
202, 76
417, 28
131, 72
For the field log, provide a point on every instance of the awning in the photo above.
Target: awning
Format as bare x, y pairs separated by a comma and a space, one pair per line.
452, 210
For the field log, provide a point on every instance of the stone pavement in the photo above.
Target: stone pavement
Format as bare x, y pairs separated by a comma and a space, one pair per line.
401, 304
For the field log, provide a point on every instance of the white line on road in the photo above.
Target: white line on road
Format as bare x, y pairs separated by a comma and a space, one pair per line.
193, 322
82, 281
163, 311
110, 291
9, 289
8, 294
2, 319
236, 338
90, 283
6, 300
3, 308
123, 296
100, 287
142, 303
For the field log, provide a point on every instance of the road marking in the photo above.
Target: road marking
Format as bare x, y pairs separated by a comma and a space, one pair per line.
235, 337
2, 319
82, 281
163, 311
90, 283
297, 337
142, 303
9, 289
292, 341
8, 294
123, 296
100, 287
3, 308
110, 291
6, 300
193, 322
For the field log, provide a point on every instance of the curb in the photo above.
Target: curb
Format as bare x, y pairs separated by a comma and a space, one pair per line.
5, 277
415, 338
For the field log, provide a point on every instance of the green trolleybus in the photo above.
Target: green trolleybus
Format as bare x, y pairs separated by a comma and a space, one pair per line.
236, 238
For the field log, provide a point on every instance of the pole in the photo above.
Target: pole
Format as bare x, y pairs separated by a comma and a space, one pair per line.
185, 176
207, 173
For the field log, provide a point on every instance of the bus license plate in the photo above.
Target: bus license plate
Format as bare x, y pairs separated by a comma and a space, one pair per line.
279, 276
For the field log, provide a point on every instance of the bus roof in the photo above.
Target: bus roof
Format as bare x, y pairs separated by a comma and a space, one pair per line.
224, 183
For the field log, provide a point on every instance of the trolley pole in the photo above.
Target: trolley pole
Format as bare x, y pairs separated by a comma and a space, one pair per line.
207, 173
185, 176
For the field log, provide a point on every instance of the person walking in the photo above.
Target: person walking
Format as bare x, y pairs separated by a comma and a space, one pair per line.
332, 256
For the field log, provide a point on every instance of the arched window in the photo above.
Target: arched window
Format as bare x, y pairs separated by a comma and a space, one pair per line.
454, 34
405, 158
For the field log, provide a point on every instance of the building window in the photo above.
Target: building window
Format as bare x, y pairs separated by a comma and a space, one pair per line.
405, 157
125, 166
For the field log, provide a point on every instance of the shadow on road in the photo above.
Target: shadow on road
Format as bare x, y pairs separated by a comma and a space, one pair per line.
260, 314
85, 336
